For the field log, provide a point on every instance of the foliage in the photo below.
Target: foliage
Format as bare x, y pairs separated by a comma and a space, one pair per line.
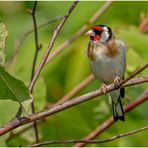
14, 89
10, 87
69, 69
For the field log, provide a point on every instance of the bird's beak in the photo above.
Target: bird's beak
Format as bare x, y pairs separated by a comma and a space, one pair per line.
90, 33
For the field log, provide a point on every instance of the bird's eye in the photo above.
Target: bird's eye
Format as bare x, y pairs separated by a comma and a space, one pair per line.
97, 31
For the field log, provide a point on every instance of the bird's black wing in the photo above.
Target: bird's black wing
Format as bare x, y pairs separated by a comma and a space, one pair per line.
122, 90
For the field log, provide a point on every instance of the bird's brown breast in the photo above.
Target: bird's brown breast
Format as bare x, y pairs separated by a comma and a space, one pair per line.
110, 49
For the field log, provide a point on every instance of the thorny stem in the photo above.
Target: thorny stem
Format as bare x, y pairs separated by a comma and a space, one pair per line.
91, 141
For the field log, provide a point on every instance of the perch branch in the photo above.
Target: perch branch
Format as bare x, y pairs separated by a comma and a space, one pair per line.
84, 28
68, 96
55, 33
15, 122
91, 141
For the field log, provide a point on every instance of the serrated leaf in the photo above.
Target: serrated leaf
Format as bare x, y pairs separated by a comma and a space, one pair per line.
14, 89
3, 36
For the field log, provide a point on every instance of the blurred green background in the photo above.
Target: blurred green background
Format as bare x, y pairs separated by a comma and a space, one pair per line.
71, 67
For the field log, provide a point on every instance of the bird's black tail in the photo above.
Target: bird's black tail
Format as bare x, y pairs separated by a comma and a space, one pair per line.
118, 112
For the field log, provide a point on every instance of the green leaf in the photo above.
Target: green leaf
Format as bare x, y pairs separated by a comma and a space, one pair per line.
3, 36
14, 89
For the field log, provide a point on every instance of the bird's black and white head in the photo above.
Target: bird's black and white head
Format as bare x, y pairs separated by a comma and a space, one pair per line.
100, 33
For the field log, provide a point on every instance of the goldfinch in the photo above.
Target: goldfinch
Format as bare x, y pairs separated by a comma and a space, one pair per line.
107, 58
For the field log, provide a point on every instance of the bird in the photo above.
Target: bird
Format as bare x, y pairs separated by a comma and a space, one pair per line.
107, 59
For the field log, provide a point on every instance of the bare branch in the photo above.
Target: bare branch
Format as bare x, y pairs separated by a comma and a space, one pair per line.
55, 33
91, 141
84, 28
109, 122
36, 39
15, 122
32, 12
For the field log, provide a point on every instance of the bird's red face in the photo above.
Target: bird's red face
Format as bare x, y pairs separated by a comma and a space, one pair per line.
99, 33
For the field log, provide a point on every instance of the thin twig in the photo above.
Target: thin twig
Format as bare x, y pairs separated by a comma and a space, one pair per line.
37, 48
55, 33
106, 124
32, 12
83, 29
91, 141
19, 41
15, 122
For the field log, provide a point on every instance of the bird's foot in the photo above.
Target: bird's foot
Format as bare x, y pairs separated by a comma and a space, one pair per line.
104, 88
117, 81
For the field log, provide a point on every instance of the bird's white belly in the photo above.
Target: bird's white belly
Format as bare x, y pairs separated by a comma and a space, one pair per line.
106, 68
